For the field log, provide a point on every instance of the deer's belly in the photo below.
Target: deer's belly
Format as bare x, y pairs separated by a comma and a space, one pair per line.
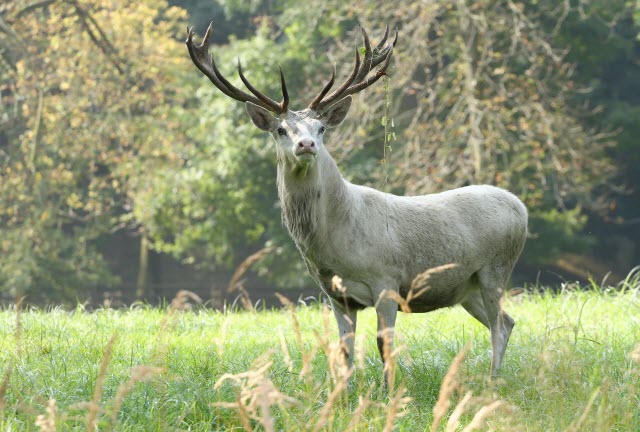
355, 295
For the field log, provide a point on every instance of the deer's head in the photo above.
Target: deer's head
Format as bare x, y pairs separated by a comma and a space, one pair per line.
298, 134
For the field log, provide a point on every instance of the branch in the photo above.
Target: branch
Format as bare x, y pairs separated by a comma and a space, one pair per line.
33, 6
101, 42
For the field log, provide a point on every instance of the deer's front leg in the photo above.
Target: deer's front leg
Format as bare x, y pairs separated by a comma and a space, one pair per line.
387, 310
346, 319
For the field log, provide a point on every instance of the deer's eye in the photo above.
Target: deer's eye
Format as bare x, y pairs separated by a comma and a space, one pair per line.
321, 130
281, 131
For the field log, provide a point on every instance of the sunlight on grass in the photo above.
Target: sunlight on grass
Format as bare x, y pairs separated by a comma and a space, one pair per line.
572, 364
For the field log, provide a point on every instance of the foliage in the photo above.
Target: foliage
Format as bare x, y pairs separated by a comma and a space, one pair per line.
105, 125
84, 120
563, 227
154, 369
484, 95
223, 201
490, 92
601, 38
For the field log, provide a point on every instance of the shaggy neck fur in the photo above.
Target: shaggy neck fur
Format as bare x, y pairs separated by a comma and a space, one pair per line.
309, 196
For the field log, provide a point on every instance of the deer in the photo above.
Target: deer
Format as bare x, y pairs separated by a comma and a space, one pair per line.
378, 243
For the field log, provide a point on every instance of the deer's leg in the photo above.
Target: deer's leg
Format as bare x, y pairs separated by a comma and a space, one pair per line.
386, 310
475, 306
492, 282
346, 319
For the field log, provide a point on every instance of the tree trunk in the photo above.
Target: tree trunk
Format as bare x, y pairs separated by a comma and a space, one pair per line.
143, 269
217, 296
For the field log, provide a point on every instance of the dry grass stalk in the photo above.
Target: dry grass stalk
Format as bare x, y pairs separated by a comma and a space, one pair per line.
220, 339
337, 363
3, 387
307, 356
265, 399
94, 405
235, 284
389, 364
326, 413
454, 419
634, 356
245, 300
296, 326
179, 303
361, 351
576, 427
336, 284
18, 330
449, 384
420, 284
18, 341
363, 404
246, 265
387, 339
181, 300
244, 416
285, 301
479, 418
138, 374
47, 422
514, 292
257, 394
396, 408
285, 352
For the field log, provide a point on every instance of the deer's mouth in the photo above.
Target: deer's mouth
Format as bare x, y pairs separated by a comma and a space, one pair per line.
306, 155
306, 159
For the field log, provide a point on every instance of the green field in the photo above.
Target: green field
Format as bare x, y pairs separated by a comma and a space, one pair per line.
570, 365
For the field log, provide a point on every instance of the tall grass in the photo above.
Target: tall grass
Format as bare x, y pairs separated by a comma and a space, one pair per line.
572, 364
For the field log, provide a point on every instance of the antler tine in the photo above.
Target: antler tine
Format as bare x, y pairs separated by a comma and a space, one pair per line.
273, 105
384, 51
284, 105
364, 84
201, 58
206, 64
358, 80
384, 38
337, 93
314, 103
381, 57
366, 66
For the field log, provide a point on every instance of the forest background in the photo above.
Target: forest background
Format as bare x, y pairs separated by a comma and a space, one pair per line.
125, 175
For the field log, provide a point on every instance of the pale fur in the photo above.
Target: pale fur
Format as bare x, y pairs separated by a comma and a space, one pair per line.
379, 242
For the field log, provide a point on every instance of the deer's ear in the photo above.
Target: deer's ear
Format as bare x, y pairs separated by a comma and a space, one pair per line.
335, 114
260, 117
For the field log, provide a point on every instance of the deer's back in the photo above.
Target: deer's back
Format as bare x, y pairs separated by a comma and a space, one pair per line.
404, 236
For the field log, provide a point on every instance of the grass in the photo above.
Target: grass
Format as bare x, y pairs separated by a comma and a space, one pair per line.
573, 363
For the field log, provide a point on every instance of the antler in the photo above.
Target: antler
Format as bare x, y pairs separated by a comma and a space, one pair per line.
204, 61
359, 79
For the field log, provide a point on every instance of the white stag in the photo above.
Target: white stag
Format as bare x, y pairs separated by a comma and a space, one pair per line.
378, 242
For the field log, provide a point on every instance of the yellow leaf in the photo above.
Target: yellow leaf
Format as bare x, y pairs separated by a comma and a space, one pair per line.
73, 201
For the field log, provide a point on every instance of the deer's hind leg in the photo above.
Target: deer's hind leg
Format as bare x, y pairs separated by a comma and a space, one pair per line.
493, 280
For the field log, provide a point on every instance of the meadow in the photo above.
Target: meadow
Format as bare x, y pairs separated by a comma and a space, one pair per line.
573, 363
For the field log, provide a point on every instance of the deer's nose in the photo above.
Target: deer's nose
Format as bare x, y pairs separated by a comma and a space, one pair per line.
306, 145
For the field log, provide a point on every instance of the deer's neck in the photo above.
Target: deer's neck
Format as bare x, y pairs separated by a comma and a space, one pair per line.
313, 200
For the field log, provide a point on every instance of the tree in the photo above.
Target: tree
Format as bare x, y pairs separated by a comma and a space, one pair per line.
91, 105
480, 94
223, 203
